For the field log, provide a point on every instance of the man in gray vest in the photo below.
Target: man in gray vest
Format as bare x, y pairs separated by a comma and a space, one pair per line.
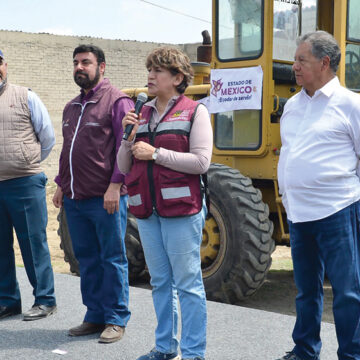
26, 139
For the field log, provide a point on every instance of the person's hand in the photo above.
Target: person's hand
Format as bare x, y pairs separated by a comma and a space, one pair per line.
58, 197
131, 119
142, 150
112, 198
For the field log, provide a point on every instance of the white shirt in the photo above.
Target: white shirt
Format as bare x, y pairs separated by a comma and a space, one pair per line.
42, 124
318, 169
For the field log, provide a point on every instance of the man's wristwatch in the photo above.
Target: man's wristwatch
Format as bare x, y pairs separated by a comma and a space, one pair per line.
155, 154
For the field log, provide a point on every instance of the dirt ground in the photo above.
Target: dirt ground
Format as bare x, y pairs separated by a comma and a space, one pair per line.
276, 295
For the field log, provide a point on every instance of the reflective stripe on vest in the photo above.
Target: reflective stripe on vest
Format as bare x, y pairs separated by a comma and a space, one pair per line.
167, 125
175, 192
135, 200
174, 125
167, 194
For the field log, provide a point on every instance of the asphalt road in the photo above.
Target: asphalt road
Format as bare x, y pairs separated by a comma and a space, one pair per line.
234, 332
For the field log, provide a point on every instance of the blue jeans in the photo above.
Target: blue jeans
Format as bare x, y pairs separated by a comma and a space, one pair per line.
328, 246
99, 246
23, 207
172, 253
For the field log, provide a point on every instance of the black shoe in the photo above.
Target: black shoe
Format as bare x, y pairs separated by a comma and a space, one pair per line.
290, 355
39, 312
6, 311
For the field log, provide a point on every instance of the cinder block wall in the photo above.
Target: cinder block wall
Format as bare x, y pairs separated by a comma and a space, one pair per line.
43, 62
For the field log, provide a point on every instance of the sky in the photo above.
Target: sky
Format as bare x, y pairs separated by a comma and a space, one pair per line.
142, 20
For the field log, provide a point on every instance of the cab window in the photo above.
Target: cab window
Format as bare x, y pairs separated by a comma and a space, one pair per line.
239, 29
238, 130
291, 19
353, 29
352, 54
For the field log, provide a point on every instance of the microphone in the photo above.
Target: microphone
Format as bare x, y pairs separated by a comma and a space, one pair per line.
140, 101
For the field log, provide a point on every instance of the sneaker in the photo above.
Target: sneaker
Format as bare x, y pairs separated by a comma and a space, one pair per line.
290, 355
195, 358
157, 355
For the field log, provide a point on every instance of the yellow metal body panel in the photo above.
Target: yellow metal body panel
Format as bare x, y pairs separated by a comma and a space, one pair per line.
261, 164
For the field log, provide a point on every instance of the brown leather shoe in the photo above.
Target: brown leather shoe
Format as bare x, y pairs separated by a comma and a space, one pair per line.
86, 328
112, 333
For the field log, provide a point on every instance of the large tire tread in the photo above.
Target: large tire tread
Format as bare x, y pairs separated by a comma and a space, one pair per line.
247, 257
66, 244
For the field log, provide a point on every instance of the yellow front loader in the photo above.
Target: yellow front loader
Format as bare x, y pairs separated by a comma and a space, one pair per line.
247, 218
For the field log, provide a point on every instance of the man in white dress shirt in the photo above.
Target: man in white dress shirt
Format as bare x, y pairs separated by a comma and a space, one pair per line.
318, 177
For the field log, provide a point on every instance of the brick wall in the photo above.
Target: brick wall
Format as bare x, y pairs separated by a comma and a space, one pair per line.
43, 62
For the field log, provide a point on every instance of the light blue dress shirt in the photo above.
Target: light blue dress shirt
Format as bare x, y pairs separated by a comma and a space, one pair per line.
42, 124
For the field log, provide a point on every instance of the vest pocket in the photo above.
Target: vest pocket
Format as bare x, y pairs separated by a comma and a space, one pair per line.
175, 189
31, 153
139, 201
132, 188
178, 195
173, 177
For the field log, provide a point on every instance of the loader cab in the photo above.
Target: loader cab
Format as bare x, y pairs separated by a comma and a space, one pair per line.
257, 32
249, 33
245, 36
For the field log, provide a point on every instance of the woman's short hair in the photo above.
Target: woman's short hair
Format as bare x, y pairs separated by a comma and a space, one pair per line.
175, 61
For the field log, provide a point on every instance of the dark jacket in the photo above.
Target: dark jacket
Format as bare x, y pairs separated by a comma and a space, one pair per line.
89, 149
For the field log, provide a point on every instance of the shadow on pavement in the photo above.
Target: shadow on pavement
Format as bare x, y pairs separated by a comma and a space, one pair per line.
278, 295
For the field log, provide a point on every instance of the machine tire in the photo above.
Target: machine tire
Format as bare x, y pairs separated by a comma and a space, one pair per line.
134, 251
66, 244
241, 221
239, 259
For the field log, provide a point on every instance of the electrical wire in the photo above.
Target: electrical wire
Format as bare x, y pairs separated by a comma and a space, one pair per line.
175, 11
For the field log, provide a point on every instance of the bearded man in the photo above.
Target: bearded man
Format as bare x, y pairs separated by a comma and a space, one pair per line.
90, 186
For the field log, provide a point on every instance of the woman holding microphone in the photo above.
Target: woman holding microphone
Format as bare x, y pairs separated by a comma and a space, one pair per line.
167, 151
